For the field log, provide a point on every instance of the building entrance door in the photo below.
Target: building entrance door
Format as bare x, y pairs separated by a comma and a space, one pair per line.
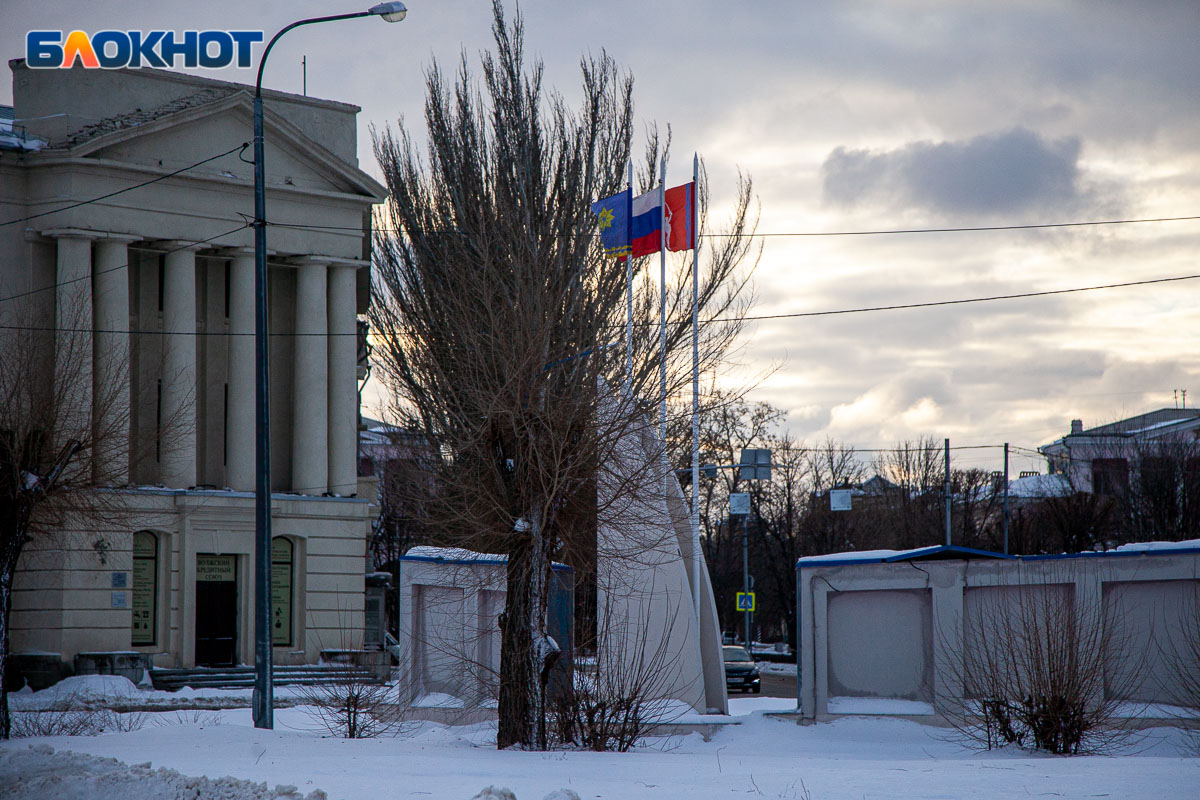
216, 611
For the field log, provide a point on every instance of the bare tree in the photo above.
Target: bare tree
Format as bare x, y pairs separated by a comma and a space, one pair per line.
916, 507
64, 436
496, 315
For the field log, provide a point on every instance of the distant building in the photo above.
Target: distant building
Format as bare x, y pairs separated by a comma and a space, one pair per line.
1159, 447
165, 273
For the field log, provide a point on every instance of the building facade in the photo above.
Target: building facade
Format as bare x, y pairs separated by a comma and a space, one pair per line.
133, 193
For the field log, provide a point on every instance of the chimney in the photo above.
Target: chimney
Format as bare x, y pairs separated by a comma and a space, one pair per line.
1076, 426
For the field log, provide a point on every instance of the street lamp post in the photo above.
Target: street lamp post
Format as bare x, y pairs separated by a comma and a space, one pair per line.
264, 693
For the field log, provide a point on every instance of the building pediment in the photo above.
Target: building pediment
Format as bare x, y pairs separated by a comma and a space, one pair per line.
212, 122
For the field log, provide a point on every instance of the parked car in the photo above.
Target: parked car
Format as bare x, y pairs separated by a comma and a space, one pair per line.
741, 672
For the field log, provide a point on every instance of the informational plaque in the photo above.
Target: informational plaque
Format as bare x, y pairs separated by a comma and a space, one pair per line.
281, 592
145, 599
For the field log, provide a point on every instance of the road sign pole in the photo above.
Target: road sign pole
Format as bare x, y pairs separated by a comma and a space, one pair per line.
746, 578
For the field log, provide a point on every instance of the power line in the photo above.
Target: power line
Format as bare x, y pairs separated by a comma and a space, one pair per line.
90, 275
241, 147
133, 332
963, 301
1033, 226
881, 232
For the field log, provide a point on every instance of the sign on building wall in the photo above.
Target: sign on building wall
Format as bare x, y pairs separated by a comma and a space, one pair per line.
281, 592
145, 567
215, 568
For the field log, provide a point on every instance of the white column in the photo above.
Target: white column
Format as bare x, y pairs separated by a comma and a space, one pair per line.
178, 447
111, 379
72, 395
310, 459
239, 435
343, 381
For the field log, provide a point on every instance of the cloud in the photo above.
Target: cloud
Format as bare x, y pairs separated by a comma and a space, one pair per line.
995, 173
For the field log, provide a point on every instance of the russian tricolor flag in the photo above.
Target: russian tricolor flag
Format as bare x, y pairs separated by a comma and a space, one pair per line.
647, 222
646, 225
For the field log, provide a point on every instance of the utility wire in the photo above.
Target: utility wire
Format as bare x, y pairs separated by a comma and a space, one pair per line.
241, 147
90, 275
963, 301
882, 232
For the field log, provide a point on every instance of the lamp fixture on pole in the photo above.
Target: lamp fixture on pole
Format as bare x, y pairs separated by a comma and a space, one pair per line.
264, 693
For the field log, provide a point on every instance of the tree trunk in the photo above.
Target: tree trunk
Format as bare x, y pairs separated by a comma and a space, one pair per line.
7, 568
525, 647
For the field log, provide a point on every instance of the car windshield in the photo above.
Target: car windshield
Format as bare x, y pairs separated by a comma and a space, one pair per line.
736, 654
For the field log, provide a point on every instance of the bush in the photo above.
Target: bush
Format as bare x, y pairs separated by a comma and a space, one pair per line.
1036, 669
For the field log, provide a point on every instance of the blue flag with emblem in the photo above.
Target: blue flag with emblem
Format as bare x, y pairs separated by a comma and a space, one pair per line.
614, 217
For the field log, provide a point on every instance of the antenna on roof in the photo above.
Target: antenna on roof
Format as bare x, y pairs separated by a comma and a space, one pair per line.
1184, 393
304, 73
1176, 393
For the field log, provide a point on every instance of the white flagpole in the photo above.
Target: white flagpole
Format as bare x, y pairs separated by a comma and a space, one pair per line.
629, 300
662, 301
693, 230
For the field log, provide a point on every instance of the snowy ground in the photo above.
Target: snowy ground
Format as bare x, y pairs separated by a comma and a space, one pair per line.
853, 757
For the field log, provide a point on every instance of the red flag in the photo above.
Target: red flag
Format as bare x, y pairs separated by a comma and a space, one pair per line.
681, 217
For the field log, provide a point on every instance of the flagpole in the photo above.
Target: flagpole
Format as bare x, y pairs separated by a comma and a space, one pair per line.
629, 294
662, 300
695, 242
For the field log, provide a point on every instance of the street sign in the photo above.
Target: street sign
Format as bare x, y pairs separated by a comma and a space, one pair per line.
745, 601
755, 464
840, 500
739, 503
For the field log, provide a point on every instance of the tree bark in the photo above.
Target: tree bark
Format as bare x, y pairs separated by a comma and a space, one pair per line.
525, 645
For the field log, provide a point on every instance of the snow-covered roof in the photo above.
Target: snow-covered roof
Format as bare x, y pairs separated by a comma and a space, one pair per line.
459, 555
938, 552
1035, 486
13, 136
944, 552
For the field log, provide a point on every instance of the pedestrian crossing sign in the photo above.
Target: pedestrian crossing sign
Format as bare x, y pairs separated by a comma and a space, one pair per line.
745, 601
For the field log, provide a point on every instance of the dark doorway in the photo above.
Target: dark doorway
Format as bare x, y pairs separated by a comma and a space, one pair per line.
216, 611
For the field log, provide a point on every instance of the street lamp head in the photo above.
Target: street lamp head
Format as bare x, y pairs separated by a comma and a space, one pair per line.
391, 12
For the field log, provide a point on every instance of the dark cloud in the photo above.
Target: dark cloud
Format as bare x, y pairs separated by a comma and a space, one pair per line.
995, 173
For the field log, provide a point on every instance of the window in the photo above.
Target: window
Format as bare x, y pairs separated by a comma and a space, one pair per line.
145, 589
1110, 476
282, 551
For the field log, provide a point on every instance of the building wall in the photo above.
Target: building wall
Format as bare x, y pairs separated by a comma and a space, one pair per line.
73, 592
450, 602
178, 253
869, 629
880, 644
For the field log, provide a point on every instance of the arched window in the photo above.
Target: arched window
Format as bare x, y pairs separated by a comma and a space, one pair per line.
281, 591
144, 625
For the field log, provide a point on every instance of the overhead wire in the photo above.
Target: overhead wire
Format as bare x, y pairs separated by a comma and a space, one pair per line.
881, 232
242, 147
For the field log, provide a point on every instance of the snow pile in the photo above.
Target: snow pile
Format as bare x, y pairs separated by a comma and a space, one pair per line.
498, 793
115, 690
1141, 547
81, 689
37, 773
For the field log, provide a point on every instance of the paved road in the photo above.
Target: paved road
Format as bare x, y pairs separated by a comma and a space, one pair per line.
779, 685
776, 686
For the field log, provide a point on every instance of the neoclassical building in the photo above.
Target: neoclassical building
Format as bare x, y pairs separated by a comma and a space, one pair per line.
164, 275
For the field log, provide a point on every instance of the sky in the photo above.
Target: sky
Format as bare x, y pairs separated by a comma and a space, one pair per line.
861, 116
